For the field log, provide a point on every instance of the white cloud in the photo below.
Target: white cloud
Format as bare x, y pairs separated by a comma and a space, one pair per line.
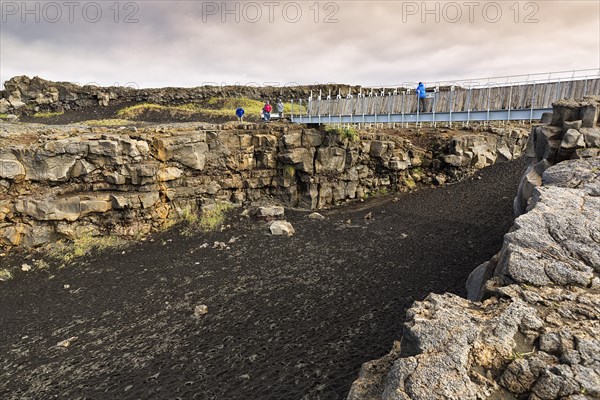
371, 44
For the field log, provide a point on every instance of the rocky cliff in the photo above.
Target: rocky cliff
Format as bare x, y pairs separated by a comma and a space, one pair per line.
23, 94
531, 329
60, 182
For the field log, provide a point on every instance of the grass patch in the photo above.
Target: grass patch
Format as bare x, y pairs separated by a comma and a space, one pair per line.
215, 106
382, 191
210, 219
3, 116
189, 216
5, 275
48, 114
82, 245
348, 133
41, 264
519, 356
227, 106
410, 183
107, 122
213, 216
190, 221
289, 172
139, 109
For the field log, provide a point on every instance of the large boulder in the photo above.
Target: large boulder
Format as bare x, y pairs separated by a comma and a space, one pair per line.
330, 160
4, 106
300, 158
191, 155
281, 228
10, 167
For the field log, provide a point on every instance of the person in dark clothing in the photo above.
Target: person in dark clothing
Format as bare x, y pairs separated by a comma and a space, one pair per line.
280, 108
240, 113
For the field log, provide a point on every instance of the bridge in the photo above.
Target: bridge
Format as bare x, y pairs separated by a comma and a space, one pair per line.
509, 98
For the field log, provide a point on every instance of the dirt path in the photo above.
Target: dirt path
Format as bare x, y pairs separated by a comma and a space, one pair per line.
289, 318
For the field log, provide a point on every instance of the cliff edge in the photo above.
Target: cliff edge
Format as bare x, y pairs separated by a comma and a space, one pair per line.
531, 329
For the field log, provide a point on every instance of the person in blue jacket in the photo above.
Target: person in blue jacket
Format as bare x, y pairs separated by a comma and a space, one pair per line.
240, 113
422, 96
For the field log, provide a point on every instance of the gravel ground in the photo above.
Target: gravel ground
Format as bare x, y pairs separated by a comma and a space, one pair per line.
288, 318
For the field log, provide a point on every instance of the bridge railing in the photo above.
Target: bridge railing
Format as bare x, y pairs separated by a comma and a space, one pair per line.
533, 92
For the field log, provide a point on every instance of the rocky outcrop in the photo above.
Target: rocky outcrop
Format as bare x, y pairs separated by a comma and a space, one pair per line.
573, 134
536, 334
530, 328
24, 94
64, 181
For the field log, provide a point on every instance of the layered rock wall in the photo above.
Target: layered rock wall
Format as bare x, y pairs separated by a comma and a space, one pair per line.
57, 183
573, 134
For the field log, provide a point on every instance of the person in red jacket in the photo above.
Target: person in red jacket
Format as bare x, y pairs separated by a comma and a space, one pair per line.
267, 111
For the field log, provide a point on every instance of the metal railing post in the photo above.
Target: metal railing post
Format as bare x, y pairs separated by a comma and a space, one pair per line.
487, 122
393, 107
469, 105
375, 109
363, 110
418, 107
319, 110
532, 100
509, 101
450, 109
435, 90
403, 97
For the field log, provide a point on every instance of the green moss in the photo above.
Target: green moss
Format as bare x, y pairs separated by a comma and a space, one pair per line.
409, 183
289, 172
213, 217
215, 106
107, 122
348, 133
48, 114
82, 245
518, 356
139, 109
5, 275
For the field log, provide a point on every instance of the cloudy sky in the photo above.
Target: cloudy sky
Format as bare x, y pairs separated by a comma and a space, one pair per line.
154, 43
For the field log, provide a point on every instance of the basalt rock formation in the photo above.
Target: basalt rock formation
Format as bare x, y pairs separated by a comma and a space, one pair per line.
531, 328
572, 134
61, 182
23, 94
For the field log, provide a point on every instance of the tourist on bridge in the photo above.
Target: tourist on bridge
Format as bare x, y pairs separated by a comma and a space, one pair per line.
267, 111
280, 108
422, 95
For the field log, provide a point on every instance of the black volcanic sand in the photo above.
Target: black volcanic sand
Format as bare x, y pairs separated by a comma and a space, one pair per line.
289, 318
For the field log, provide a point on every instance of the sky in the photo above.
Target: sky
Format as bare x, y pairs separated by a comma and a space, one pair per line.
154, 43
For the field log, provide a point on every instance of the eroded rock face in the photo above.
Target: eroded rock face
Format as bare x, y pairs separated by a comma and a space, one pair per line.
537, 332
105, 180
530, 328
574, 134
479, 151
24, 91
